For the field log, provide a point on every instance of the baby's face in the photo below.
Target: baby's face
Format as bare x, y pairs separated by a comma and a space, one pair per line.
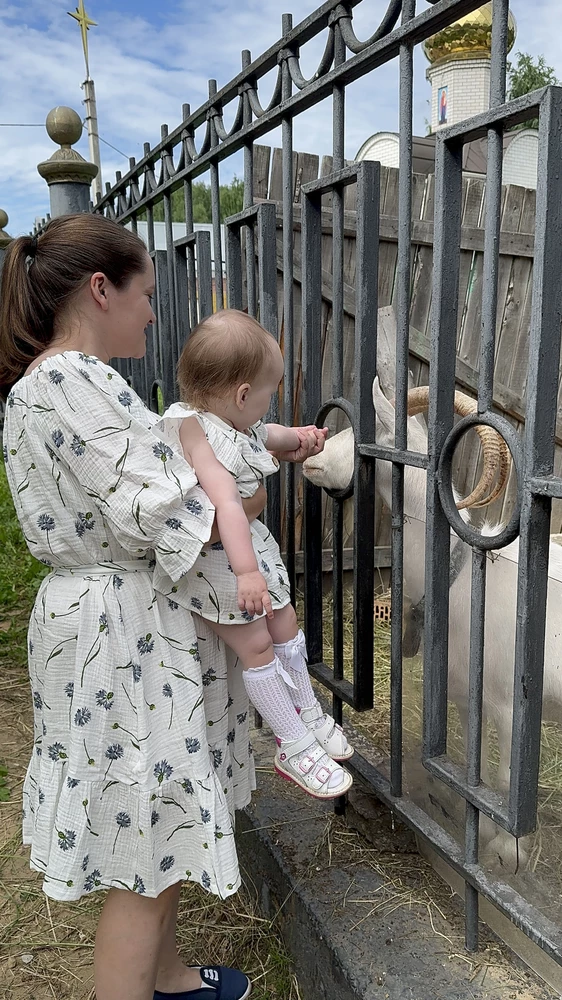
258, 397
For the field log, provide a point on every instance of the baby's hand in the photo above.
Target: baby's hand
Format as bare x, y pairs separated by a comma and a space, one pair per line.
253, 595
312, 438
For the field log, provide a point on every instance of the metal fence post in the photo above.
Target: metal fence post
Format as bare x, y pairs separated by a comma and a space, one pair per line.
68, 174
5, 238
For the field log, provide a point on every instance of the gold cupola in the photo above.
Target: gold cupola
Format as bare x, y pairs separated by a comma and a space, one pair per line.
468, 38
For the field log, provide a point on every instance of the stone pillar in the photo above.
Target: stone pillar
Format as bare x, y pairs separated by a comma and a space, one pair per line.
68, 174
5, 239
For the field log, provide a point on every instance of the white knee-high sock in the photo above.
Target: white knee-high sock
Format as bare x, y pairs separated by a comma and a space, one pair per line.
293, 656
269, 693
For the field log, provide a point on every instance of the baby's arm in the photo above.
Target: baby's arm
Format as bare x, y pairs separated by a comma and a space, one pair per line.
295, 443
220, 487
281, 438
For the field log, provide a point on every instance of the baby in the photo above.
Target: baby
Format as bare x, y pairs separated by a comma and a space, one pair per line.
228, 371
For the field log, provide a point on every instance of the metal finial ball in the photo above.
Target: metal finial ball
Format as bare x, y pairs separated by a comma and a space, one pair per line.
64, 126
3, 219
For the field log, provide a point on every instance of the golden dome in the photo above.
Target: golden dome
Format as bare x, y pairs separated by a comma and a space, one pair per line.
467, 38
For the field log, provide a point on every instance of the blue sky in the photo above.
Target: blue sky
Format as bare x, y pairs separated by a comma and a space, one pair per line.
147, 58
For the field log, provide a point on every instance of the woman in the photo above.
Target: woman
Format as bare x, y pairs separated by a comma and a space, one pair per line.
141, 745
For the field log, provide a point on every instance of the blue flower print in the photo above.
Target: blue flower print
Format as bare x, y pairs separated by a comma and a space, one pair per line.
56, 377
104, 699
208, 677
85, 862
37, 700
123, 821
85, 374
163, 771
78, 446
194, 507
46, 522
154, 818
229, 771
125, 398
174, 523
93, 880
231, 736
30, 648
40, 796
196, 603
167, 691
264, 566
195, 653
205, 880
11, 400
117, 582
57, 752
145, 644
67, 839
137, 672
247, 617
57, 437
205, 815
162, 451
5, 453
187, 786
138, 885
88, 359
217, 758
82, 717
173, 605
255, 447
113, 752
69, 689
72, 783
167, 863
192, 745
217, 547
103, 623
84, 523
241, 718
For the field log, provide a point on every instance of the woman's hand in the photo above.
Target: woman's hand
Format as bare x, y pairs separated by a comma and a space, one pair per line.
253, 595
253, 507
312, 440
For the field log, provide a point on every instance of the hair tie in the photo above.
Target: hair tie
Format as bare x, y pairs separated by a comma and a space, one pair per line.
33, 248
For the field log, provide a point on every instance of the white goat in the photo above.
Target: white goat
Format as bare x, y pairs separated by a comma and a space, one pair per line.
333, 468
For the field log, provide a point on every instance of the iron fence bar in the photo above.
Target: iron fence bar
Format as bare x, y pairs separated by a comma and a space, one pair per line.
338, 138
380, 52
233, 265
216, 202
188, 205
448, 199
401, 393
288, 308
366, 292
311, 402
542, 388
545, 486
474, 735
404, 457
249, 196
267, 295
488, 801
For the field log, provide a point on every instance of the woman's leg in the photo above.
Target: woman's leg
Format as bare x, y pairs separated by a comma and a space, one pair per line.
134, 944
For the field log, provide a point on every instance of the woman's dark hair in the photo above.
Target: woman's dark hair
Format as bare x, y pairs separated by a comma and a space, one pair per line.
41, 274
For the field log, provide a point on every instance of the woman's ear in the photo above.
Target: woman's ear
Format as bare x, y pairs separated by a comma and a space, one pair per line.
242, 395
98, 289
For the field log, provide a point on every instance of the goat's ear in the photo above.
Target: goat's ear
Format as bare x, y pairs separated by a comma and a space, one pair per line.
383, 408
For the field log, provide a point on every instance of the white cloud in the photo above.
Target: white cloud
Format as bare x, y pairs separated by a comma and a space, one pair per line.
145, 69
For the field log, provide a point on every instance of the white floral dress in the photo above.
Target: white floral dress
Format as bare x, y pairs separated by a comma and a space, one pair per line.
141, 750
210, 585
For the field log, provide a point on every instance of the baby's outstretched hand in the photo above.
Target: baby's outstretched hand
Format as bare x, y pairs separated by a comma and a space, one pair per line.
311, 442
253, 595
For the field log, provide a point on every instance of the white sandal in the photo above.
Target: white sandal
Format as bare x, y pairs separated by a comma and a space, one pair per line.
330, 736
309, 766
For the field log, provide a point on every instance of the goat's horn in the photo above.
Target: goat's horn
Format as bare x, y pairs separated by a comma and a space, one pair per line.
495, 450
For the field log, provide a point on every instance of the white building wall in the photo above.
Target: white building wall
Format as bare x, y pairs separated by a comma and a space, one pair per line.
468, 89
520, 161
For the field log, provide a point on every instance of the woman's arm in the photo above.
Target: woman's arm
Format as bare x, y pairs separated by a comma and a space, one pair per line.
234, 530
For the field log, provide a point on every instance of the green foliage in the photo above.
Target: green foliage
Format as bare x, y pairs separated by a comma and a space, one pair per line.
527, 75
4, 790
231, 201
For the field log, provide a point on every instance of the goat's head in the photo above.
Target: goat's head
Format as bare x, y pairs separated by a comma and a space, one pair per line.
333, 468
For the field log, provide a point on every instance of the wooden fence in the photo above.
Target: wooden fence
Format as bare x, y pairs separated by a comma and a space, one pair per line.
514, 298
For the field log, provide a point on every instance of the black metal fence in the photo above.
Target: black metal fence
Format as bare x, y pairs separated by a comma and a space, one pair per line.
185, 293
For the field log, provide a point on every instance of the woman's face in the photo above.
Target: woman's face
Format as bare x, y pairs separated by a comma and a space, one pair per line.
129, 314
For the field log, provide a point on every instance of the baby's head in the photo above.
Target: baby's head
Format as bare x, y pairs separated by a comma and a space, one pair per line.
230, 366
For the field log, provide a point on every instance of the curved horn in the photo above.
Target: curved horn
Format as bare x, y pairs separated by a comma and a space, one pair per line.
495, 450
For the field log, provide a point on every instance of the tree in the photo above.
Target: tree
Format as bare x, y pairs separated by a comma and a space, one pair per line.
528, 74
231, 202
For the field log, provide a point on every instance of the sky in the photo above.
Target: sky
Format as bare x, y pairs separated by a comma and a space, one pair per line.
148, 58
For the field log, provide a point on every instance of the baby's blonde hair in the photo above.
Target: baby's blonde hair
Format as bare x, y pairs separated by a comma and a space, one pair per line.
223, 351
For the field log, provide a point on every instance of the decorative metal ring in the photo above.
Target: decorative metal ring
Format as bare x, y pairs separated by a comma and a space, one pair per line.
445, 481
339, 403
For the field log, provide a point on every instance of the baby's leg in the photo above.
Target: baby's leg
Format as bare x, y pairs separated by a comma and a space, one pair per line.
290, 646
268, 685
